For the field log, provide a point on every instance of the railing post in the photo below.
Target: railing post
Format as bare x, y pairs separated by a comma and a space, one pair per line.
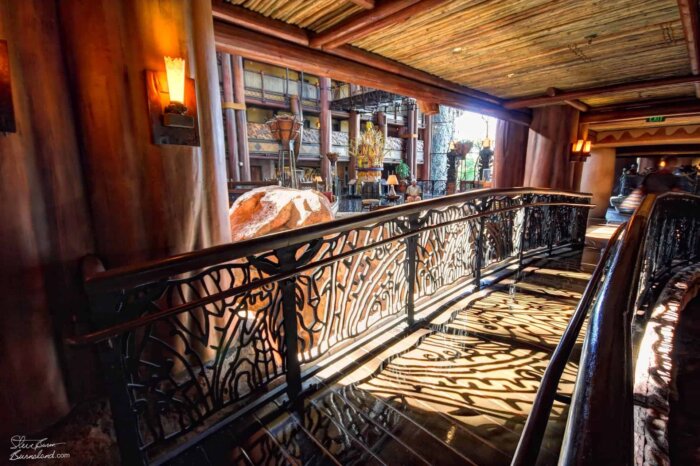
480, 248
526, 211
291, 343
411, 264
550, 230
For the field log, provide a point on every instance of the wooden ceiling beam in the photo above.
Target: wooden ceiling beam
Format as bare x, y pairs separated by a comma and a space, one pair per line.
243, 17
691, 27
256, 46
623, 112
366, 4
239, 16
538, 101
384, 14
575, 103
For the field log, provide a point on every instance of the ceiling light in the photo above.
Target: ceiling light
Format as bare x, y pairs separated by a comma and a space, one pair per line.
456, 49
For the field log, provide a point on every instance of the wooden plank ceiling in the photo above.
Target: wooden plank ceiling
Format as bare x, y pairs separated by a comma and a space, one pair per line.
519, 48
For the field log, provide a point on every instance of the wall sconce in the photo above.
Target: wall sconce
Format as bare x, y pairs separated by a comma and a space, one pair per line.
580, 150
7, 113
172, 104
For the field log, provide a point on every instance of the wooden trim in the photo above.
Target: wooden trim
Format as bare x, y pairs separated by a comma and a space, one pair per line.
633, 112
257, 46
691, 28
398, 17
360, 21
536, 101
366, 4
233, 105
249, 19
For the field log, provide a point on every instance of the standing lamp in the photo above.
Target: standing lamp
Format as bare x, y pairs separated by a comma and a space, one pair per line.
285, 128
318, 180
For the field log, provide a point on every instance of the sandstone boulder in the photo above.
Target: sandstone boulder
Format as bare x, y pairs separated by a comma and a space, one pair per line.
270, 209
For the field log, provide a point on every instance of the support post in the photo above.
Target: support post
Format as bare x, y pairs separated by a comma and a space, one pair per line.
427, 146
326, 127
480, 247
354, 136
241, 118
234, 169
411, 145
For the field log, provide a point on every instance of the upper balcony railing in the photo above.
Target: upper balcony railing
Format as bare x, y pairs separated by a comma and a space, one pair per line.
267, 87
197, 340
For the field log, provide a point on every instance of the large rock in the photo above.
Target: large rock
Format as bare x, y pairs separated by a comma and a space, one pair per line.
273, 208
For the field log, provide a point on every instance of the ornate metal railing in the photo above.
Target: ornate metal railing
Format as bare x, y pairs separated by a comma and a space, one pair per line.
191, 339
663, 234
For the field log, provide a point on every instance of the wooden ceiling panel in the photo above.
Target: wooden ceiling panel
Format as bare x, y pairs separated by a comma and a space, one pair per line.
521, 47
683, 120
315, 15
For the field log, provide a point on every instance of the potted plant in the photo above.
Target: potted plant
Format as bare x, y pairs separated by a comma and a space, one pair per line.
404, 173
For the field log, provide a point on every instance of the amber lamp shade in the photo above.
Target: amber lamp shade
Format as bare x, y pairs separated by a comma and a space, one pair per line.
392, 180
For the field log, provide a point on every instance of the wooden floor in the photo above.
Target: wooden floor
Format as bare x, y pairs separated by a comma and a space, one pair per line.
455, 391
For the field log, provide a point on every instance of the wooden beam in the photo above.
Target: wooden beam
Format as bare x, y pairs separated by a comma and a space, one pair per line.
366, 4
256, 46
398, 17
575, 103
537, 101
687, 107
360, 21
691, 27
249, 19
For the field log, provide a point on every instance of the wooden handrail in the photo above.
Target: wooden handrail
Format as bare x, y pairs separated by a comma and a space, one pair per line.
151, 271
531, 439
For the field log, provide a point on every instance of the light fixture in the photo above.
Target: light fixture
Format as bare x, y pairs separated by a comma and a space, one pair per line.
456, 49
7, 114
662, 164
172, 104
392, 181
285, 128
580, 150
318, 180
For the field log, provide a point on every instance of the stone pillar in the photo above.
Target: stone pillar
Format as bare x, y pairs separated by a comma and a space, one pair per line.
148, 200
325, 132
353, 137
509, 154
552, 132
45, 229
598, 178
241, 117
234, 169
427, 146
443, 127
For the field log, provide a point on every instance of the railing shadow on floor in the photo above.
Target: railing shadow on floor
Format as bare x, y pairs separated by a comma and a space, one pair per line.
196, 340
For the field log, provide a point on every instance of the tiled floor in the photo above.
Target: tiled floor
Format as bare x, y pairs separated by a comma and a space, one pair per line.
457, 390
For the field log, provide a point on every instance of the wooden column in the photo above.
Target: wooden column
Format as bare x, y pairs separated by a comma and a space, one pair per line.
325, 132
234, 169
298, 111
354, 136
411, 145
509, 154
381, 121
552, 132
427, 146
598, 178
148, 200
241, 117
45, 229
